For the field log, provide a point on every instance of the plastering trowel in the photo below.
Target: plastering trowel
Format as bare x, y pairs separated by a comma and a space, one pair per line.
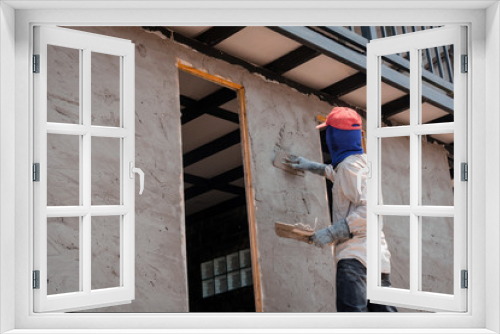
297, 231
279, 162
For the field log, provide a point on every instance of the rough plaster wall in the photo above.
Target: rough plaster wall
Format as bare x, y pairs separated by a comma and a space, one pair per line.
295, 277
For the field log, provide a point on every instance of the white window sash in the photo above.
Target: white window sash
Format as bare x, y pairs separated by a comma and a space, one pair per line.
414, 297
86, 298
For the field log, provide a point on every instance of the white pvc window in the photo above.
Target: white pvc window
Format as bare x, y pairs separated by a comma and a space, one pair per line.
419, 214
84, 144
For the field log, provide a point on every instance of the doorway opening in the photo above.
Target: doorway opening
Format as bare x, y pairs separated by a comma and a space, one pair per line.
218, 228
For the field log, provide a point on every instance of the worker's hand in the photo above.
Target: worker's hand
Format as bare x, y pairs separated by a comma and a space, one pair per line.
335, 233
302, 163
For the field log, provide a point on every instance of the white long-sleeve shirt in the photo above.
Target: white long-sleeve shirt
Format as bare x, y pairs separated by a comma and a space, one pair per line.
348, 203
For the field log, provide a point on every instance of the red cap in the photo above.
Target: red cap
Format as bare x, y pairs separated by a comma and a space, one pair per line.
342, 118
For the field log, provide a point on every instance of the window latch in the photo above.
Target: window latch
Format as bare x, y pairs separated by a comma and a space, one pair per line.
139, 171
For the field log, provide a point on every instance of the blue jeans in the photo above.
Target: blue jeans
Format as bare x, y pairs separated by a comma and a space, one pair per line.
351, 288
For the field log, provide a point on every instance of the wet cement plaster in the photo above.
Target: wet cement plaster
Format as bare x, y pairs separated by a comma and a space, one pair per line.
295, 277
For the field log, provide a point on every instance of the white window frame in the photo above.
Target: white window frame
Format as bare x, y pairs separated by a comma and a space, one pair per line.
414, 43
85, 44
482, 316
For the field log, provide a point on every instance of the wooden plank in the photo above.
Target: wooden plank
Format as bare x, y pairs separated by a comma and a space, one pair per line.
298, 232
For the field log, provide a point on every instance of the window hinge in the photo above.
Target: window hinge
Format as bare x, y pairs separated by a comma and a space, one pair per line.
36, 172
465, 64
36, 279
464, 171
465, 279
36, 63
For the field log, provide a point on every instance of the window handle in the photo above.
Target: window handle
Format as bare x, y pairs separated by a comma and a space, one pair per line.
141, 175
366, 170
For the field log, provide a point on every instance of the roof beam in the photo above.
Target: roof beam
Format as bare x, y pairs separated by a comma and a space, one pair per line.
343, 54
395, 106
208, 104
216, 209
216, 35
219, 182
212, 52
444, 119
226, 177
292, 59
211, 148
324, 45
347, 85
403, 63
229, 116
195, 191
230, 176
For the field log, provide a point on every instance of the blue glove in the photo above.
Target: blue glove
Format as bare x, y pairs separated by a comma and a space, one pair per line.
336, 233
304, 164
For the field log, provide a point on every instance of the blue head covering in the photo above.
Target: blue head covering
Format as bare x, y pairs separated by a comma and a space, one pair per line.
342, 143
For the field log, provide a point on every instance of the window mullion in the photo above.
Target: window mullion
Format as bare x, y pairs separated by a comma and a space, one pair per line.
86, 164
414, 170
81, 180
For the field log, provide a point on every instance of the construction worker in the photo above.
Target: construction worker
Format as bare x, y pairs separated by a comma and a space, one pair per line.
348, 231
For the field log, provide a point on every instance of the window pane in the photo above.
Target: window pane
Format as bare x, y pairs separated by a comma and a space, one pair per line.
220, 283
63, 255
105, 89
246, 277
63, 170
397, 235
63, 84
437, 170
105, 252
395, 102
437, 64
437, 254
106, 181
395, 171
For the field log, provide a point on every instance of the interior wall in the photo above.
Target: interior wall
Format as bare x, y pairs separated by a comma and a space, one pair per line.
295, 277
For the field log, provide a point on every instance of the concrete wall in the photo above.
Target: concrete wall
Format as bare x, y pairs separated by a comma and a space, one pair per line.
295, 277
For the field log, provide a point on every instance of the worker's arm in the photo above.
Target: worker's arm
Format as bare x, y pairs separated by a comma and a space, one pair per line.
334, 233
302, 163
